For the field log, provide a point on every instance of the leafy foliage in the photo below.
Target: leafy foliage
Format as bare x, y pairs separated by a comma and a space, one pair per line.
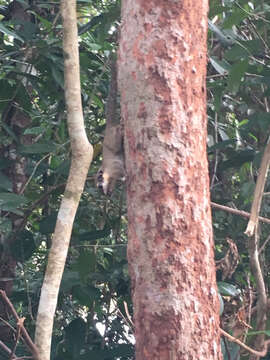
92, 319
238, 110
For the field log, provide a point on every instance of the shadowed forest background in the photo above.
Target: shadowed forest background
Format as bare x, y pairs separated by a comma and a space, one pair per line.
94, 314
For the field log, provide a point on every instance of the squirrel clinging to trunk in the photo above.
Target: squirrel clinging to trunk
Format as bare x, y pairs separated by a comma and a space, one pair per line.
112, 168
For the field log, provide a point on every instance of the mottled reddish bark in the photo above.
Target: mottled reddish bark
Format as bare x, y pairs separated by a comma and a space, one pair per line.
162, 68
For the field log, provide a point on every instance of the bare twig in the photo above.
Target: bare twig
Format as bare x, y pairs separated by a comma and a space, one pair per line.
8, 324
238, 212
6, 349
29, 343
260, 286
264, 244
250, 301
128, 314
258, 193
126, 320
33, 172
216, 153
18, 335
244, 346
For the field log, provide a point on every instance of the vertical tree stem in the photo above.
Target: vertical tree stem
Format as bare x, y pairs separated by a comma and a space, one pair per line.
82, 153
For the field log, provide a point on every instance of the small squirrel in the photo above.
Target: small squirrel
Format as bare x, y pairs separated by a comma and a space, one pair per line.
112, 168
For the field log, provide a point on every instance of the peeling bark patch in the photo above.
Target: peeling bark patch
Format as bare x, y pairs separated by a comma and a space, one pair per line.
147, 27
160, 49
160, 85
165, 121
170, 9
135, 244
142, 114
130, 138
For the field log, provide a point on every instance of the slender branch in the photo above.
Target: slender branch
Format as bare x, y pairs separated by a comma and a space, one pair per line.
99, 245
260, 286
258, 193
264, 244
31, 346
18, 335
238, 212
6, 349
8, 324
33, 172
128, 314
246, 347
82, 153
216, 153
40, 201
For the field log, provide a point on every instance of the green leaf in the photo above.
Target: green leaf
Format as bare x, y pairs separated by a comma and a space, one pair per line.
221, 145
85, 295
47, 224
47, 24
266, 332
247, 189
117, 352
236, 52
4, 163
24, 3
23, 246
86, 263
236, 75
230, 350
11, 202
75, 336
228, 289
235, 18
5, 226
259, 119
10, 132
5, 183
37, 148
94, 46
221, 304
63, 168
14, 198
237, 159
222, 67
96, 234
70, 279
7, 92
222, 36
8, 32
58, 76
34, 130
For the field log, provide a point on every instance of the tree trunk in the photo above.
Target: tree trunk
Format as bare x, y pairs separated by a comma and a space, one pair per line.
162, 69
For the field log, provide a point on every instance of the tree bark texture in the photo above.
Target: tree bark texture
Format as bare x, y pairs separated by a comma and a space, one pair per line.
162, 69
82, 153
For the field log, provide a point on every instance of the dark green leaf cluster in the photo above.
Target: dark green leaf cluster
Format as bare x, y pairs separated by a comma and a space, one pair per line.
238, 131
91, 319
